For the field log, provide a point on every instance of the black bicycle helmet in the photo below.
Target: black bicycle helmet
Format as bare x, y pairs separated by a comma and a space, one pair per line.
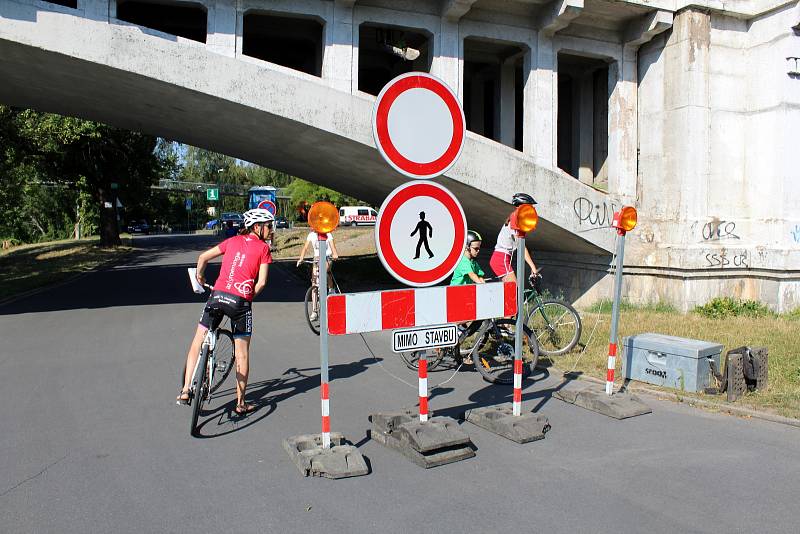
522, 198
472, 235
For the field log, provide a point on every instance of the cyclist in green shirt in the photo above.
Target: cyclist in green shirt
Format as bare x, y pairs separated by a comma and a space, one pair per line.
468, 271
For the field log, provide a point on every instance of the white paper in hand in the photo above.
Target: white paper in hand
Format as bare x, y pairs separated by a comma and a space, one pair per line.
193, 278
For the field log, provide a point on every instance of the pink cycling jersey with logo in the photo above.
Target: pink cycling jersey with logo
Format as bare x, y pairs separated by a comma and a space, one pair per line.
244, 255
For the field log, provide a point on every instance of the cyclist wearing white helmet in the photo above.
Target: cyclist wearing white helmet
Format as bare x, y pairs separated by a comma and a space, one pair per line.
243, 275
506, 245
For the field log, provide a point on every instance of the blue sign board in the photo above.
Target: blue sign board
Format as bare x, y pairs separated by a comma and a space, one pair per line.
188, 204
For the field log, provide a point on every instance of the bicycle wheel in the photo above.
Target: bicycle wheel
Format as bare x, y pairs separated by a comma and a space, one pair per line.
495, 360
199, 389
556, 326
312, 296
224, 359
411, 358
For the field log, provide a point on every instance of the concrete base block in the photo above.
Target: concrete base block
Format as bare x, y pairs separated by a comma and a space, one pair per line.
437, 441
340, 461
500, 420
618, 405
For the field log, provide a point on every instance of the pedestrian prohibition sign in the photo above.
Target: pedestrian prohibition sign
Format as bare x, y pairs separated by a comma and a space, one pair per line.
420, 233
418, 125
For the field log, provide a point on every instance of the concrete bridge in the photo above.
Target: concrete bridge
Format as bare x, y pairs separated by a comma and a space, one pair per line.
587, 104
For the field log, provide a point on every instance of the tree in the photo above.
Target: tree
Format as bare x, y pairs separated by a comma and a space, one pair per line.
94, 159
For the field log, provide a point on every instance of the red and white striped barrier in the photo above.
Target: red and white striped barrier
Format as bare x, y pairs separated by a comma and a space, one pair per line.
612, 360
354, 313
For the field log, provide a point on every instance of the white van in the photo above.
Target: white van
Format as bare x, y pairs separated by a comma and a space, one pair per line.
353, 215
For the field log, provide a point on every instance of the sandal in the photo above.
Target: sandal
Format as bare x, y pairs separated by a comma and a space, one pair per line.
244, 409
183, 398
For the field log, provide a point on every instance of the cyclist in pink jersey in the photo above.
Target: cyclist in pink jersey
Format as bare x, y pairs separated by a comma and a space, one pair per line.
506, 245
242, 276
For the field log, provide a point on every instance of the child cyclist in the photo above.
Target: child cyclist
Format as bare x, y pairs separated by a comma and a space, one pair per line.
242, 276
468, 271
507, 245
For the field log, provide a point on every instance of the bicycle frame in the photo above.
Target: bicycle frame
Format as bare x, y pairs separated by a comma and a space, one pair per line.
209, 341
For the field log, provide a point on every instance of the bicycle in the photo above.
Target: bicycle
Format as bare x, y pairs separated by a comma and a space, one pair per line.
217, 358
490, 344
311, 300
555, 324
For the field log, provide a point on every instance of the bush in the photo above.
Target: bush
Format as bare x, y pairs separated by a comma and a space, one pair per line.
723, 307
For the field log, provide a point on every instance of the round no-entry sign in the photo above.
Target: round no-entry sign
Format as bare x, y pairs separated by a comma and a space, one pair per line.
268, 205
420, 233
418, 125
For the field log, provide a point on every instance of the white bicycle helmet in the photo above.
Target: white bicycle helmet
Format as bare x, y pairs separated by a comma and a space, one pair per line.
258, 215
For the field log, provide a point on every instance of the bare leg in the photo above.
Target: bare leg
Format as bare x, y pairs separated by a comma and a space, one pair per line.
191, 357
510, 277
242, 346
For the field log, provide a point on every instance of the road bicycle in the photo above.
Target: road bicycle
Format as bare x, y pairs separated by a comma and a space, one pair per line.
489, 344
554, 323
217, 358
311, 300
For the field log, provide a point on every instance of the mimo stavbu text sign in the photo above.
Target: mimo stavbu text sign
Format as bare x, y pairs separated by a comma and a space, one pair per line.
424, 338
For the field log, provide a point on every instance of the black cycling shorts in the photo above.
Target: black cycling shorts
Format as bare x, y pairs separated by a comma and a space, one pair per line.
238, 309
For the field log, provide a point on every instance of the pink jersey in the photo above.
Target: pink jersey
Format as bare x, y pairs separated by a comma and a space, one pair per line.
244, 255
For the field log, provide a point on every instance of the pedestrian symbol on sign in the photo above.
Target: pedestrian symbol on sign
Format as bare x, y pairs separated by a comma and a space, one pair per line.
425, 230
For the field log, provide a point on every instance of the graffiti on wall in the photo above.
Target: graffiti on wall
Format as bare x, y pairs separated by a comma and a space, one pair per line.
723, 259
589, 213
796, 233
717, 230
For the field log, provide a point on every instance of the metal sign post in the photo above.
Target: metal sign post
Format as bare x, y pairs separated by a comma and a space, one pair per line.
612, 338
517, 403
323, 340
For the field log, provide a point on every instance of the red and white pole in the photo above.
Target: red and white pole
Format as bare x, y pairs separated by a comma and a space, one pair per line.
322, 269
516, 406
612, 338
423, 388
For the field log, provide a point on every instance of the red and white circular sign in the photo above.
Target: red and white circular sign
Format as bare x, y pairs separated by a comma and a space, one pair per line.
418, 125
420, 233
268, 205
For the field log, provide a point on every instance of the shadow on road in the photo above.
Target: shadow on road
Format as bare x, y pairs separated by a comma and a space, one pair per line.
221, 419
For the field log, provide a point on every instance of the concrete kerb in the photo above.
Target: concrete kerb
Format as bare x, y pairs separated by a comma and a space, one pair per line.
500, 420
677, 397
341, 460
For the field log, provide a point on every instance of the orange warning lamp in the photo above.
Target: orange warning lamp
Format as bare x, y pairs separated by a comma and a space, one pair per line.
524, 219
625, 219
323, 217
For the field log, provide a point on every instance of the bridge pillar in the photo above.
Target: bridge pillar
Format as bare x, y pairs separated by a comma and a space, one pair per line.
446, 63
222, 27
337, 65
543, 132
97, 9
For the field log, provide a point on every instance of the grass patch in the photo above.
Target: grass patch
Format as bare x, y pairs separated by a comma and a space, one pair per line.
30, 267
604, 306
778, 333
724, 307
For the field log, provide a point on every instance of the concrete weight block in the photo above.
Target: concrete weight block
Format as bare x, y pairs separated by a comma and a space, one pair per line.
594, 398
500, 420
341, 460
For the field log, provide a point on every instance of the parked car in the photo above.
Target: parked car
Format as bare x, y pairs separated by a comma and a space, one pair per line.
281, 222
139, 227
235, 218
353, 215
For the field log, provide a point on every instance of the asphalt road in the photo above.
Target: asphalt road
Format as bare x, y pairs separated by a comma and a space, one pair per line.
91, 439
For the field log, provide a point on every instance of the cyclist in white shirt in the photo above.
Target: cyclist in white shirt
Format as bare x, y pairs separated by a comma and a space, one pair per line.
506, 245
330, 254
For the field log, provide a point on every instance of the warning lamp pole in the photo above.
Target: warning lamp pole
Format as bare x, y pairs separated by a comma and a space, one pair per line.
323, 217
624, 221
523, 220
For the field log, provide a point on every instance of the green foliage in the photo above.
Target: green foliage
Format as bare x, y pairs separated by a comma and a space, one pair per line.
302, 191
723, 307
